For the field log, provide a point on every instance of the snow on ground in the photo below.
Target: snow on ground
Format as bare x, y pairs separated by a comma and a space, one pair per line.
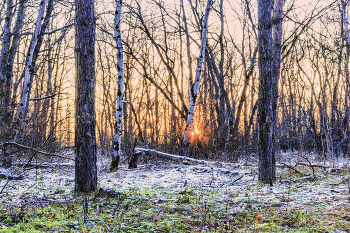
327, 192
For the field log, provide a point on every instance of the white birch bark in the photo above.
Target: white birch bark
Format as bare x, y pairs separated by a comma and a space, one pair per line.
346, 24
188, 44
22, 106
120, 67
194, 86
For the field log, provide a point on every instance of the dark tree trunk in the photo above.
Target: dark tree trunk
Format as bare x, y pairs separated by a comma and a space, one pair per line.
85, 141
13, 50
6, 42
276, 50
267, 162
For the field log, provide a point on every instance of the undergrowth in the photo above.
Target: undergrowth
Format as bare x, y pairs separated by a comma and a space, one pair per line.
292, 205
160, 210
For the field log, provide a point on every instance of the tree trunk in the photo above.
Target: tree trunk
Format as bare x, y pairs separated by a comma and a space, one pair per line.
267, 162
120, 67
29, 68
6, 41
85, 140
13, 50
345, 19
194, 87
46, 22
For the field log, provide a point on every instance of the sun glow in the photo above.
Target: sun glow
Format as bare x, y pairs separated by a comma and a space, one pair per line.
196, 130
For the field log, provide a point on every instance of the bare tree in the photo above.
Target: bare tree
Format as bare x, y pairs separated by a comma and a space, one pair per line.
6, 42
267, 163
8, 52
85, 141
194, 85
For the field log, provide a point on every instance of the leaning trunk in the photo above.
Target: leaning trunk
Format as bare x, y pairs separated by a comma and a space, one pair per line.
23, 104
194, 87
39, 42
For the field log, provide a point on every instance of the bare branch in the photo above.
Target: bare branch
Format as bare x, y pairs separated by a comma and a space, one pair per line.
33, 149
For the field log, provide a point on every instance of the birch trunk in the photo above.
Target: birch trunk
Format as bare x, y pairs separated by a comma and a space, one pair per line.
120, 67
23, 104
85, 139
188, 44
45, 24
345, 19
194, 86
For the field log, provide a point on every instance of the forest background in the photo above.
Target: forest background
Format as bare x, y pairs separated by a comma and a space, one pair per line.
312, 104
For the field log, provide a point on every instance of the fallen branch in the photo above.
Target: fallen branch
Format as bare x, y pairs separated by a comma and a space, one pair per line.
170, 156
306, 178
231, 183
294, 169
300, 180
337, 170
313, 165
8, 177
237, 179
38, 151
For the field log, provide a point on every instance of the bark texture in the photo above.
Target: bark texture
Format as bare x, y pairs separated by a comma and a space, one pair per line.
276, 67
194, 86
29, 67
120, 94
85, 140
13, 50
45, 24
267, 162
6, 41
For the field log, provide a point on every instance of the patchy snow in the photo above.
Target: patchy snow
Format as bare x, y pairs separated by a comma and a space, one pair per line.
329, 191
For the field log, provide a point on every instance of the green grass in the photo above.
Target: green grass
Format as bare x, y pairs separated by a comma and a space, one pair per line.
160, 210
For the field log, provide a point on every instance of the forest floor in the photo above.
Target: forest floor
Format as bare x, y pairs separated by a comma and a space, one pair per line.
166, 197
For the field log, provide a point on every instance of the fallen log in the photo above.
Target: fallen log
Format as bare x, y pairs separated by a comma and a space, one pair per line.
170, 156
43, 165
